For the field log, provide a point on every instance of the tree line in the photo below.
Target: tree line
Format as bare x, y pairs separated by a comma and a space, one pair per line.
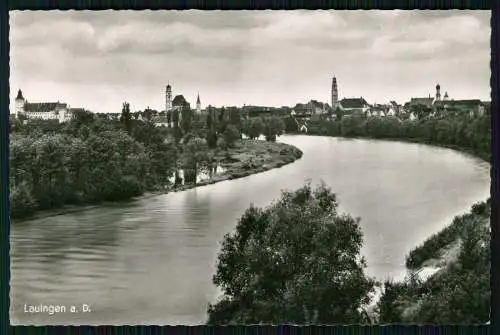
85, 161
92, 159
460, 132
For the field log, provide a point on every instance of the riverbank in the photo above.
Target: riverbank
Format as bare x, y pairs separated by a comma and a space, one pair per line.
247, 157
448, 274
442, 241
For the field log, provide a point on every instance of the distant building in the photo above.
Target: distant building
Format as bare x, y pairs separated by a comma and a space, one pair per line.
58, 111
168, 98
474, 107
335, 94
377, 110
428, 102
180, 103
311, 108
354, 106
438, 92
198, 104
420, 107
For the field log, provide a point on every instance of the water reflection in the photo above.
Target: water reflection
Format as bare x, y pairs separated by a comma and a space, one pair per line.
179, 177
151, 261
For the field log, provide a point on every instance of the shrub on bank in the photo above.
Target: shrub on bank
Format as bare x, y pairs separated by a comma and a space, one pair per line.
296, 261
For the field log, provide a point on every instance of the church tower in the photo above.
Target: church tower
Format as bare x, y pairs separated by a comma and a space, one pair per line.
438, 92
19, 105
168, 98
198, 104
446, 97
335, 93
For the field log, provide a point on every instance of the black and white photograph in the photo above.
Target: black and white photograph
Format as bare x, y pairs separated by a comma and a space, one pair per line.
300, 167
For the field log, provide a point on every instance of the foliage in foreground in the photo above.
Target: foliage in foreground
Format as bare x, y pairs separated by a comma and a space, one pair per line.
296, 261
458, 294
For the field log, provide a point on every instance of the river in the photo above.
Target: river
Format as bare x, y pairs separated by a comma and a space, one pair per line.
150, 261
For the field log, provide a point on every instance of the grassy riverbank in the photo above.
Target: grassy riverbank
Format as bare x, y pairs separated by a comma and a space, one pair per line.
451, 276
246, 157
450, 281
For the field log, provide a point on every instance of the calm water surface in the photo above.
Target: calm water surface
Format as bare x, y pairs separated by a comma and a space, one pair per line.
151, 261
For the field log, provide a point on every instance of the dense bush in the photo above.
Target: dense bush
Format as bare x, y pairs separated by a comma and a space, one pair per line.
296, 261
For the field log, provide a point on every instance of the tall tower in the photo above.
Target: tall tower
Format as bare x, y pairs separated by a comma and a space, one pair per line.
168, 98
198, 104
446, 97
19, 106
335, 93
438, 92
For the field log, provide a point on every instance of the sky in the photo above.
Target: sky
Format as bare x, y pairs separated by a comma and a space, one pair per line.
99, 59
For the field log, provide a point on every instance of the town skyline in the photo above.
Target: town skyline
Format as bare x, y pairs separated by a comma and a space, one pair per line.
285, 59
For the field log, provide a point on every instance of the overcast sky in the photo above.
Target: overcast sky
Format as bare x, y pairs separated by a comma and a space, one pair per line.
98, 59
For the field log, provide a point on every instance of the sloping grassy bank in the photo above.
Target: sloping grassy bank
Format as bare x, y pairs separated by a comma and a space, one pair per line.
458, 292
451, 269
248, 157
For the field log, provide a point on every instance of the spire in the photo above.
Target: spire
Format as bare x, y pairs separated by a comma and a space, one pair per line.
198, 100
19, 95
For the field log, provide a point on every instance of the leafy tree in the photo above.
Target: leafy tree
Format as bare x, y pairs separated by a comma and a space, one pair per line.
211, 139
235, 118
126, 117
195, 156
186, 120
169, 118
296, 261
291, 125
374, 127
148, 114
389, 305
273, 127
352, 126
256, 128
210, 120
83, 117
22, 202
339, 113
231, 135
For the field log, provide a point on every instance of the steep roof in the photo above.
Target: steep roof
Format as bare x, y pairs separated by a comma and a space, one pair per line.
179, 100
353, 103
318, 104
421, 101
300, 106
43, 107
19, 95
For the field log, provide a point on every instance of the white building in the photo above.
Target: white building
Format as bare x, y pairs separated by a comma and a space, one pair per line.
42, 110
